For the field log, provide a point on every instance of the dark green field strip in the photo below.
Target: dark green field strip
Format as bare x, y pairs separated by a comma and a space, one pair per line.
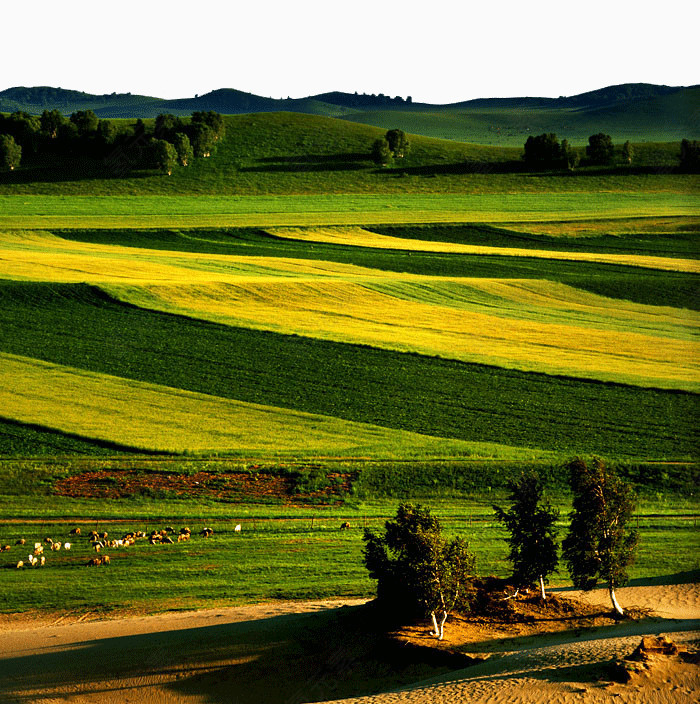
25, 439
79, 325
647, 286
22, 439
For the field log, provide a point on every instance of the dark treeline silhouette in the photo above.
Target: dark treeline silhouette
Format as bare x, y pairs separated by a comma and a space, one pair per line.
118, 149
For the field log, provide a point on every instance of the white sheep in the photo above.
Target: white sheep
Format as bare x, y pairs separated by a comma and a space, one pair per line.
43, 561
66, 546
20, 564
237, 529
37, 546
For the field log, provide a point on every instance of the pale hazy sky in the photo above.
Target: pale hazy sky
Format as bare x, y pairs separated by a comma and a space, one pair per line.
437, 51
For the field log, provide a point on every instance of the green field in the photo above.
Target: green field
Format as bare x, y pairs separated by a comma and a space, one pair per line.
297, 337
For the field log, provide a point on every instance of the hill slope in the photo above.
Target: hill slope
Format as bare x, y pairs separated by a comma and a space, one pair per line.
638, 112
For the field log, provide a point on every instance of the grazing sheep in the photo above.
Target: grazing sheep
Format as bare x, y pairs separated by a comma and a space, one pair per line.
66, 546
38, 549
345, 526
206, 532
4, 548
92, 535
95, 562
185, 531
55, 546
21, 541
75, 531
167, 540
37, 546
43, 561
20, 564
48, 540
97, 547
169, 529
237, 529
182, 537
105, 560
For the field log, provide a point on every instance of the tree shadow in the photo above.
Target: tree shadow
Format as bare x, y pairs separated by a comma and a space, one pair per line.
310, 163
454, 169
335, 653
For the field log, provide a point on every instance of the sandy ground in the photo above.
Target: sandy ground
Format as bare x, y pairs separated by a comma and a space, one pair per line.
252, 654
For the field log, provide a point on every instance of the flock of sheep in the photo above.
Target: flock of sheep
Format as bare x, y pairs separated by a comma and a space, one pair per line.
102, 541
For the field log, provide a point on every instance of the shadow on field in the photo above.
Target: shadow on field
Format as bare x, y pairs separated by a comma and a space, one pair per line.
310, 162
325, 655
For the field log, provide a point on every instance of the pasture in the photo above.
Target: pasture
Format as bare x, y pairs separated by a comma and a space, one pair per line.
267, 343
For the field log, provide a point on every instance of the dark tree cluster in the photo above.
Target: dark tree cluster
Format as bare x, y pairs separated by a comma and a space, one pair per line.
420, 573
171, 141
544, 151
690, 156
394, 145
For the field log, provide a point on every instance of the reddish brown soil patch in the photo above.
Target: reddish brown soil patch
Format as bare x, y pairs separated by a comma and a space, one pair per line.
506, 625
231, 486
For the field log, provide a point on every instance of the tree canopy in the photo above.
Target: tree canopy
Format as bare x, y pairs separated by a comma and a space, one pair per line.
600, 149
530, 522
10, 152
418, 571
599, 544
543, 150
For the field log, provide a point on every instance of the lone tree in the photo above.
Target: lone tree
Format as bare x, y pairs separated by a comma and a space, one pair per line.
542, 150
599, 544
381, 152
533, 536
600, 149
10, 152
627, 152
418, 571
398, 143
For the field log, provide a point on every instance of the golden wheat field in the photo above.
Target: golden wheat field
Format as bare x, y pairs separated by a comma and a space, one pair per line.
531, 325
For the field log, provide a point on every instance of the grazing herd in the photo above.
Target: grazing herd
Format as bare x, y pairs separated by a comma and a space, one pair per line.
100, 541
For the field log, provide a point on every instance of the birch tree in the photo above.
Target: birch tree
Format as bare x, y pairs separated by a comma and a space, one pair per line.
600, 544
418, 571
533, 537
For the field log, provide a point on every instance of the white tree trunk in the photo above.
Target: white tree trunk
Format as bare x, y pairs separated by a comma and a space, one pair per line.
442, 625
542, 592
436, 630
616, 606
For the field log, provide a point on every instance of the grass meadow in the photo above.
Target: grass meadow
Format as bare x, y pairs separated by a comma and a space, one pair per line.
286, 336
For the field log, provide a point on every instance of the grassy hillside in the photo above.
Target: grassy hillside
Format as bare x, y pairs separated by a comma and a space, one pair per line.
288, 153
638, 112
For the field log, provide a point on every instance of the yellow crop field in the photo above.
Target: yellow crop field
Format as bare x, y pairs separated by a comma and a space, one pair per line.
153, 417
359, 237
523, 324
526, 325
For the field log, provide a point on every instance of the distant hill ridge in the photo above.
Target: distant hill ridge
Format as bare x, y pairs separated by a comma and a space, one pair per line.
635, 111
231, 101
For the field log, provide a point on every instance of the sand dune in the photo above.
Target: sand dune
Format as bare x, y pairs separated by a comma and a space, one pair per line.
253, 653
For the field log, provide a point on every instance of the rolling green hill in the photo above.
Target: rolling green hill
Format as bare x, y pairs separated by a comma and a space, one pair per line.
293, 153
638, 112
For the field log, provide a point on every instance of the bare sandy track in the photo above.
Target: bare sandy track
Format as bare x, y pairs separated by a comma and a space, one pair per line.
245, 654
